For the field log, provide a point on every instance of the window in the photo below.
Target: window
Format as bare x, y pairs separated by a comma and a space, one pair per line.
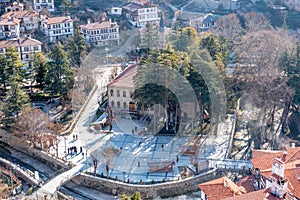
124, 105
124, 93
111, 93
37, 1
118, 93
112, 104
118, 104
131, 93
12, 27
38, 7
49, 1
26, 48
35, 48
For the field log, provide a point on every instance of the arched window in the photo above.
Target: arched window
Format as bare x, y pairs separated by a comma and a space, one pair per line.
118, 104
124, 105
118, 93
111, 93
112, 104
124, 93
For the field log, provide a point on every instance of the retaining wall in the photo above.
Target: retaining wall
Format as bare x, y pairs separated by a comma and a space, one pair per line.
167, 189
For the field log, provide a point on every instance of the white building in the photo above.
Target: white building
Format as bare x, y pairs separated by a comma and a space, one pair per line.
26, 47
15, 6
29, 19
140, 13
204, 22
40, 5
100, 33
9, 28
116, 11
57, 28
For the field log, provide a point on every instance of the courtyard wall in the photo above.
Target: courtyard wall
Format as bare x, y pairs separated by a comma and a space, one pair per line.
167, 189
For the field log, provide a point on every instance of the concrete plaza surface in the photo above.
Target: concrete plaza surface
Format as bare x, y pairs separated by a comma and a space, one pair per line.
136, 151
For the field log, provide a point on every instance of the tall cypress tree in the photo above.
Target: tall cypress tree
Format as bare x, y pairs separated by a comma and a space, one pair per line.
60, 76
15, 99
77, 48
39, 63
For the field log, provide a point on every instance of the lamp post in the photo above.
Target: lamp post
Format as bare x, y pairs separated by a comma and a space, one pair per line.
124, 173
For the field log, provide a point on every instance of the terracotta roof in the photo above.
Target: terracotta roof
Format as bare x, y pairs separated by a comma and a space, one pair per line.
246, 182
293, 176
135, 5
264, 194
19, 42
98, 25
9, 21
20, 14
126, 77
57, 20
263, 159
132, 7
221, 188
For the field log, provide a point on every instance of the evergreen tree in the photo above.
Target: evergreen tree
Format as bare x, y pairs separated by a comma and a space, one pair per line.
185, 39
60, 76
77, 48
39, 63
150, 37
15, 99
3, 77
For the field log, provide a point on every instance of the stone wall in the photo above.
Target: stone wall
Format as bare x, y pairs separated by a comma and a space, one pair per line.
20, 145
167, 189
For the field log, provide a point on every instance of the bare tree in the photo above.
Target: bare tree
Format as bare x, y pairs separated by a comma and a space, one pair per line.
256, 21
105, 155
262, 80
229, 27
108, 154
95, 155
32, 125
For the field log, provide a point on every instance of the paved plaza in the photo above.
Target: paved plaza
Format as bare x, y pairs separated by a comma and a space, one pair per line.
136, 151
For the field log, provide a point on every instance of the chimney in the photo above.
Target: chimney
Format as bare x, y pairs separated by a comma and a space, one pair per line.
88, 20
293, 144
285, 152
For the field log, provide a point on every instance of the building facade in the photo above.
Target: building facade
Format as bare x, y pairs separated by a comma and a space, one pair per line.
203, 23
120, 91
100, 33
25, 46
9, 28
29, 19
57, 28
15, 6
140, 13
40, 5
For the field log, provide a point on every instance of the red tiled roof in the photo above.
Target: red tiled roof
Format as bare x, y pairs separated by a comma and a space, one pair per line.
256, 195
57, 20
293, 176
20, 14
246, 182
19, 42
221, 188
9, 21
263, 159
126, 77
97, 25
